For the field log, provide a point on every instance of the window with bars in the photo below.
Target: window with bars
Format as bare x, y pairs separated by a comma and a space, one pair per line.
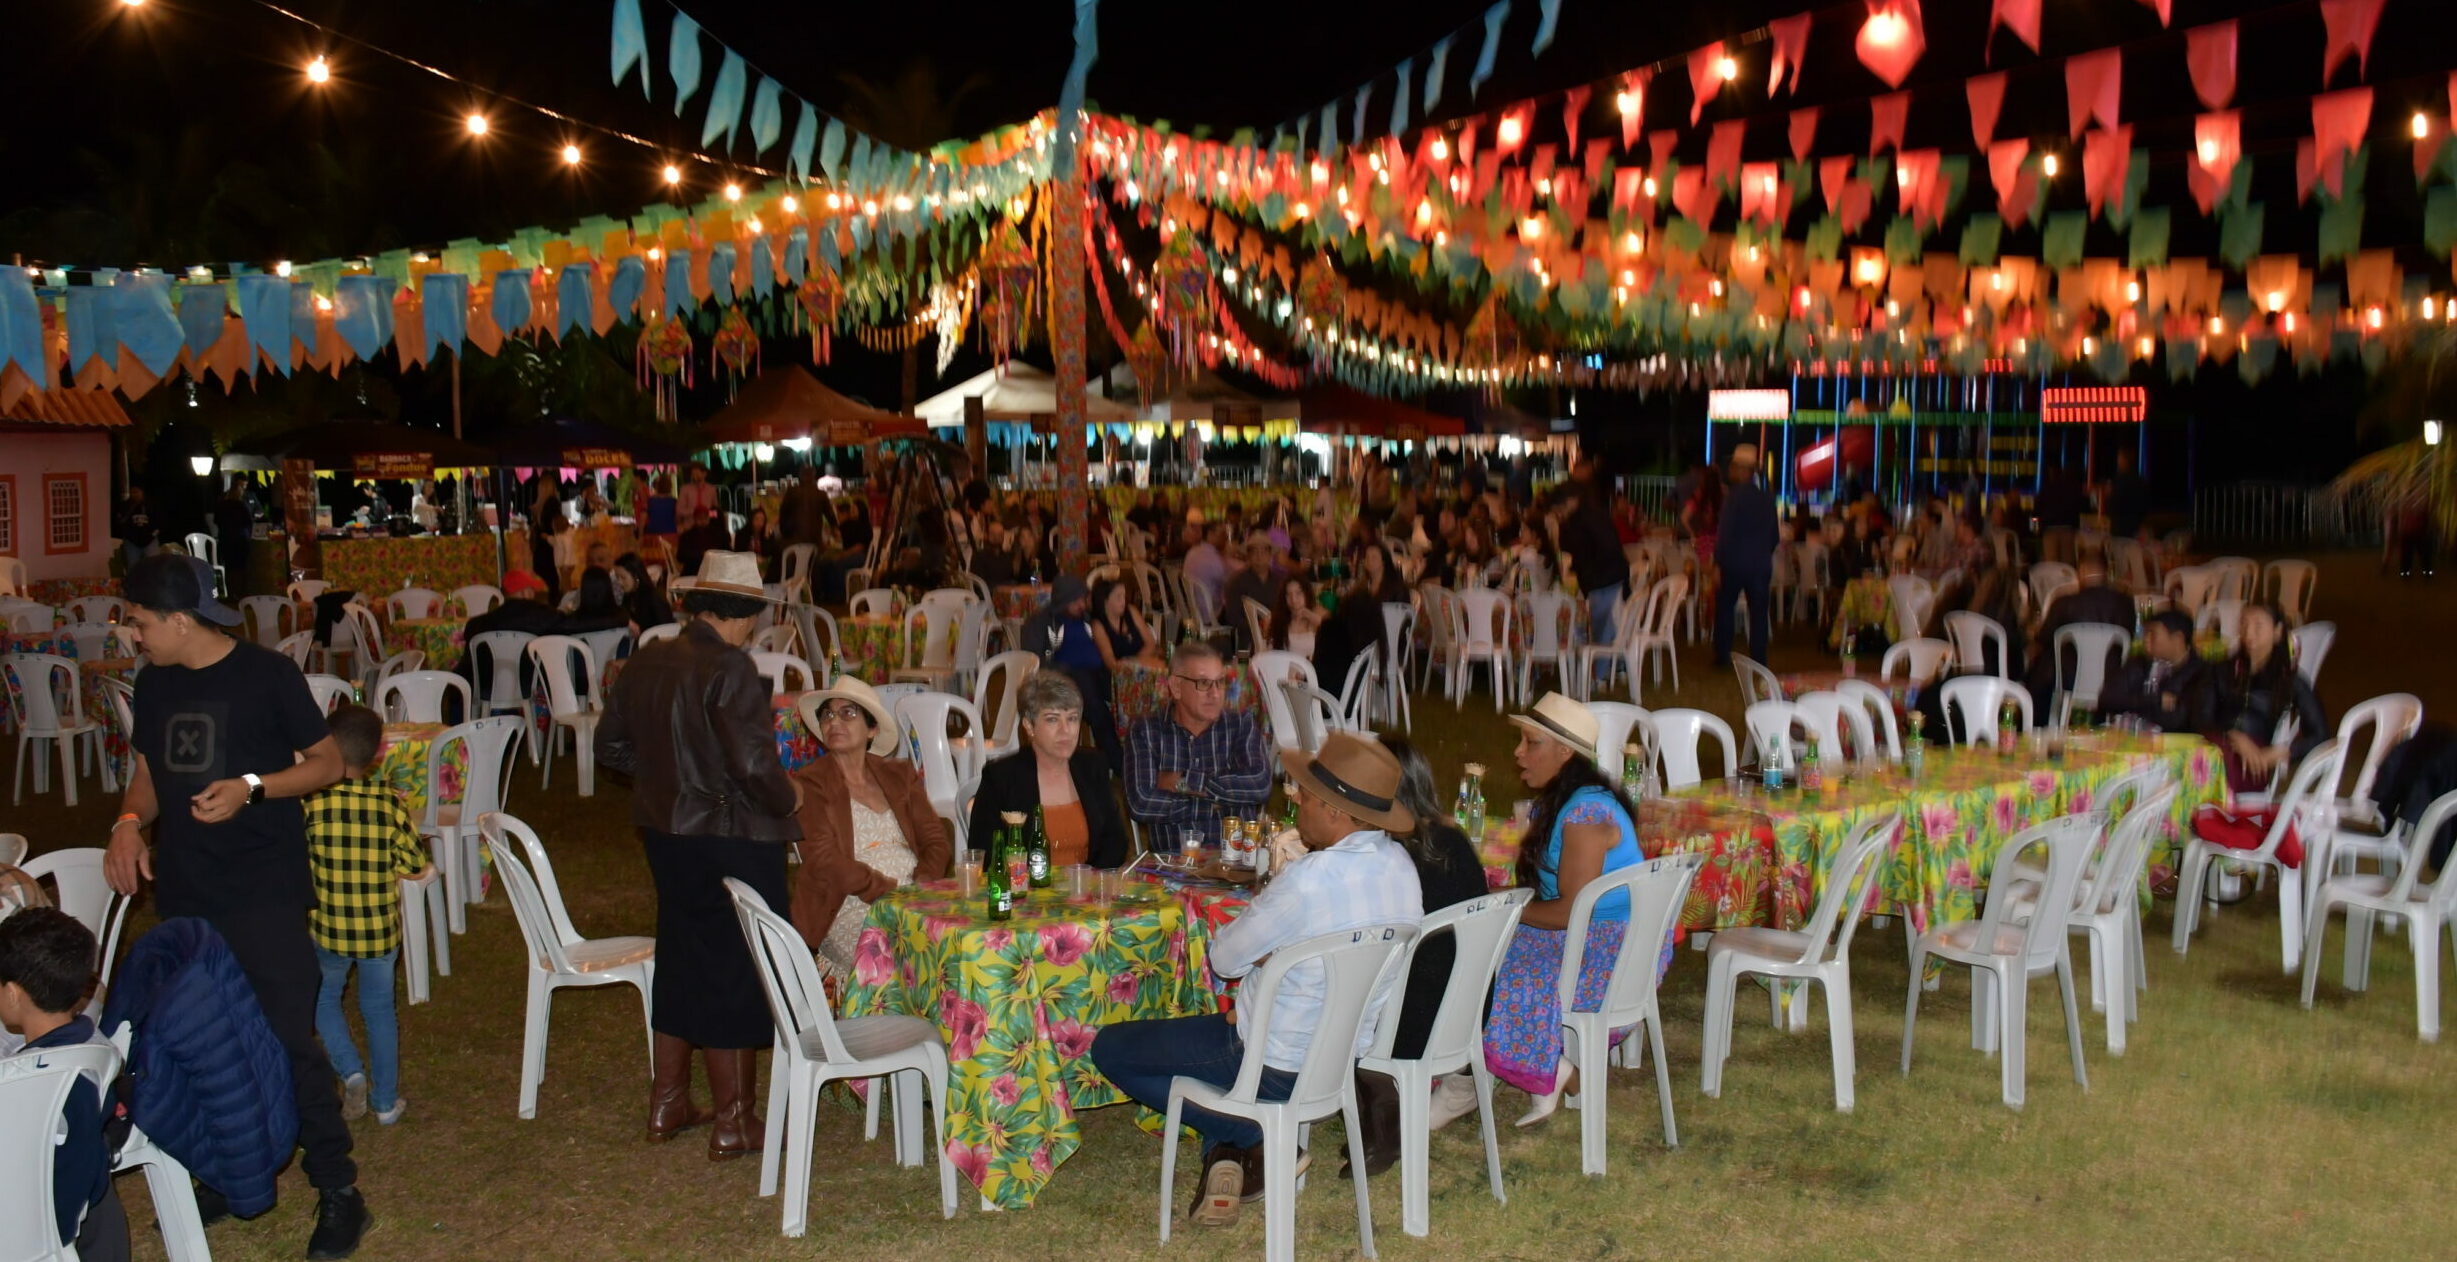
64, 503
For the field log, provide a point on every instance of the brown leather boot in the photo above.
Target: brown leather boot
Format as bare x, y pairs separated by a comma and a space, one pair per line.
1377, 1106
733, 1074
670, 1111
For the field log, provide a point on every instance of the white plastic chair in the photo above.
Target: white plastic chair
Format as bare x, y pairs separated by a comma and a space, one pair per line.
2093, 644
2188, 587
304, 591
98, 608
2386, 721
417, 696
1970, 633
36, 695
1353, 708
205, 546
1653, 637
1829, 716
930, 660
2047, 579
1912, 597
1549, 619
569, 707
1818, 952
950, 769
1769, 724
2238, 577
813, 1048
13, 848
1657, 889
2004, 953
1677, 733
995, 698
784, 672
662, 631
2108, 909
1618, 725
83, 893
2309, 644
558, 956
1919, 660
33, 1090
1351, 960
1258, 623
476, 598
1756, 682
297, 646
92, 639
1481, 928
2224, 615
2425, 908
486, 748
1399, 650
1628, 616
414, 602
1879, 708
776, 639
2311, 781
331, 691
1270, 670
167, 1183
499, 689
1978, 701
1439, 650
268, 619
794, 571
816, 628
12, 576
1480, 631
877, 602
2291, 583
26, 617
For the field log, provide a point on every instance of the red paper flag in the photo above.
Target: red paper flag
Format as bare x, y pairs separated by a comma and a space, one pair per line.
1631, 101
2094, 87
2350, 25
2217, 143
1573, 103
1466, 146
2018, 16
1625, 187
1659, 148
1804, 128
1597, 151
1761, 185
2306, 170
1723, 150
2338, 122
1511, 132
1886, 117
2210, 52
1705, 76
1987, 97
1891, 40
1831, 175
1915, 173
1693, 195
2107, 157
1855, 207
2164, 8
2015, 186
1791, 42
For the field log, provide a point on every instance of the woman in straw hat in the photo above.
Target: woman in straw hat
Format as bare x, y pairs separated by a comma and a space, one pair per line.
867, 823
690, 722
1581, 830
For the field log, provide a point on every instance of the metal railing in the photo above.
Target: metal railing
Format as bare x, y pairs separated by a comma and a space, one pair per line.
1651, 494
2283, 515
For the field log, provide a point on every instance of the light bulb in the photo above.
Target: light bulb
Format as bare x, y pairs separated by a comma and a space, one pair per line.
1770, 185
2048, 165
476, 123
1531, 228
902, 202
319, 71
2276, 301
2209, 152
571, 155
733, 192
791, 204
1729, 68
1512, 130
2132, 291
2090, 346
2148, 348
1627, 103
1885, 28
835, 202
2421, 126
2428, 307
323, 303
673, 174
282, 269
2217, 326
1631, 243
1424, 214
1441, 149
1649, 186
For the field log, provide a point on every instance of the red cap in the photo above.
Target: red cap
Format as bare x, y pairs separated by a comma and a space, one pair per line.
522, 582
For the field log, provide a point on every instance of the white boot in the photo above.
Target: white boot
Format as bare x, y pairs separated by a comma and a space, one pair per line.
1454, 1097
1550, 1103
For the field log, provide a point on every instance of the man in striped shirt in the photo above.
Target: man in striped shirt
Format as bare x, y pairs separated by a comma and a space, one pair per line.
1196, 764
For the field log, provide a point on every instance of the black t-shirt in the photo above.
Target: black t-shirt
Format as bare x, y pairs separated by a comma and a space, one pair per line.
249, 712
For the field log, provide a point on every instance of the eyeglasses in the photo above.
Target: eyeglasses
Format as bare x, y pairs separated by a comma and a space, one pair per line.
1199, 684
842, 714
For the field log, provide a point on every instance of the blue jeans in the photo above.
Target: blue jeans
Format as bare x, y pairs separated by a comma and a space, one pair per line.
383, 1065
1140, 1057
1600, 605
1754, 584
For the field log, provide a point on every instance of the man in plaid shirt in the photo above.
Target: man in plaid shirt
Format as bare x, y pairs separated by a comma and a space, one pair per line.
360, 842
1196, 764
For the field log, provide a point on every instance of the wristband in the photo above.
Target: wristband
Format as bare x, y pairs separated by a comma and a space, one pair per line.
130, 817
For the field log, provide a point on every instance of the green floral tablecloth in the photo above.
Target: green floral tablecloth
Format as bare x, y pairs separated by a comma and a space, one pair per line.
438, 638
872, 646
1737, 887
402, 766
376, 568
1018, 1003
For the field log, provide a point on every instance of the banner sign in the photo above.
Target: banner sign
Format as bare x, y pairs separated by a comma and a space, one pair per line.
2093, 405
405, 465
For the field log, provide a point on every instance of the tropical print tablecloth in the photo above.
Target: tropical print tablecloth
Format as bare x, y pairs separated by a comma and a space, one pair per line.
438, 638
1738, 886
1018, 1003
376, 568
1018, 601
402, 766
796, 746
872, 645
1140, 691
1865, 602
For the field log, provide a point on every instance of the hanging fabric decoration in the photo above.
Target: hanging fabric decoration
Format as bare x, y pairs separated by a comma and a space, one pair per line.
1149, 360
201, 311
767, 114
445, 299
1631, 102
1322, 298
1761, 194
264, 307
1436, 68
1723, 150
1007, 279
2217, 143
2209, 52
725, 100
1804, 133
1573, 104
2107, 155
682, 59
664, 357
1887, 116
1986, 95
2018, 16
2338, 123
1892, 40
805, 138
822, 298
1548, 16
1791, 45
1493, 19
2015, 180
142, 320
734, 350
1181, 295
1399, 99
510, 301
2165, 9
1705, 73
2350, 25
2094, 87
631, 45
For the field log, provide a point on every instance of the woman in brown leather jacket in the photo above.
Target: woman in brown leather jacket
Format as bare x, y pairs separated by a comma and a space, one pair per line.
867, 823
690, 723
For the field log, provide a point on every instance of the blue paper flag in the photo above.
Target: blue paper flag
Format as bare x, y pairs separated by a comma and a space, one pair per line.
631, 44
1330, 128
1070, 93
201, 308
573, 299
677, 297
832, 147
829, 255
89, 328
767, 114
303, 313
264, 314
1356, 121
1305, 127
362, 313
21, 325
725, 100
797, 254
1399, 99
511, 305
721, 273
682, 59
1550, 11
763, 267
142, 320
1493, 19
805, 136
860, 165
629, 283
1435, 72
445, 297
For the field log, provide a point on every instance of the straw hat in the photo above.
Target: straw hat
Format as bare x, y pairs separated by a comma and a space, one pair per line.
727, 574
1560, 719
884, 738
1357, 777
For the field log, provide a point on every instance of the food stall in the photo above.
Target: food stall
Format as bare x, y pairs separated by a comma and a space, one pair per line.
376, 557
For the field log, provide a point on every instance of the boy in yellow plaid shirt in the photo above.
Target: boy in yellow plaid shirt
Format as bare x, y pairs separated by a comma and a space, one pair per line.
361, 842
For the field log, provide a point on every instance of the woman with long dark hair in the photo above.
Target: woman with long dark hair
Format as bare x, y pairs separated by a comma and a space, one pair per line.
1581, 830
2263, 686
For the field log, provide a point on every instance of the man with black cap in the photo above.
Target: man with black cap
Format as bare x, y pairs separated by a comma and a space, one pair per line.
1351, 876
228, 740
1744, 556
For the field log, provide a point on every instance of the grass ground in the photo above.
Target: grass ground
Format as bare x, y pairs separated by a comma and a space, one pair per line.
2236, 1125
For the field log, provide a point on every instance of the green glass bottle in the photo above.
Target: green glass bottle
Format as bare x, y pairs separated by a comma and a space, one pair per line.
1036, 860
996, 877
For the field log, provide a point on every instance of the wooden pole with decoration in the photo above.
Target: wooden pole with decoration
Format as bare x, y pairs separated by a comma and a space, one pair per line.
1068, 226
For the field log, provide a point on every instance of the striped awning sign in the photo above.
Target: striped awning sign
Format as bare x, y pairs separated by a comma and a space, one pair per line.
2093, 405
1748, 405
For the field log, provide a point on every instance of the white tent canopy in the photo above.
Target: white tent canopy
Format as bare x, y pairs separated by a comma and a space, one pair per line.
1193, 398
1016, 392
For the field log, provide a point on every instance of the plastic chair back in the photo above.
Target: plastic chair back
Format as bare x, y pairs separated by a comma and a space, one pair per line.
604, 647
1355, 701
1850, 885
775, 639
1657, 889
1664, 606
417, 696
947, 770
500, 830
82, 891
29, 618
2068, 840
994, 693
2309, 644
1756, 682
486, 779
1355, 964
1978, 700
1879, 708
817, 628
2224, 615
2094, 644
788, 973
1258, 623
794, 571
93, 639
13, 848
1549, 619
331, 691
1970, 633
1269, 670
2189, 587
1480, 929
2127, 851
2291, 583
414, 602
502, 651
2237, 577
879, 602
477, 598
12, 576
1485, 621
2048, 578
1770, 724
1677, 733
1913, 596
938, 621
267, 619
305, 590
98, 608
1618, 725
1825, 715
650, 635
553, 655
785, 672
33, 1091
547, 950
2391, 719
297, 646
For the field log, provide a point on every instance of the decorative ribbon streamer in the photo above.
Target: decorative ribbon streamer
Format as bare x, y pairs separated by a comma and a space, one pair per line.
1549, 12
630, 46
682, 59
630, 282
362, 313
725, 100
444, 300
1435, 72
763, 267
264, 313
1356, 122
1493, 19
1399, 99
721, 273
677, 297
1070, 94
511, 304
805, 138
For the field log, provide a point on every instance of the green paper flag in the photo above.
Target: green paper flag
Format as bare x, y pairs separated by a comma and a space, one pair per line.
2136, 178
2341, 228
1902, 241
1825, 239
2239, 232
2147, 246
1982, 235
1684, 234
2060, 241
1955, 171
2440, 220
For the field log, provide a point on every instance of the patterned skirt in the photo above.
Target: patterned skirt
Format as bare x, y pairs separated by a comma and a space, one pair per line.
1522, 1032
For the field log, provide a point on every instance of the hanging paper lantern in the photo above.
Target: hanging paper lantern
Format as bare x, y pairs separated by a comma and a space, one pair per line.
665, 364
735, 348
1149, 360
822, 295
1008, 290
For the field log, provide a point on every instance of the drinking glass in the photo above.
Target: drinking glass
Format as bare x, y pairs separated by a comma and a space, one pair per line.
1078, 879
968, 872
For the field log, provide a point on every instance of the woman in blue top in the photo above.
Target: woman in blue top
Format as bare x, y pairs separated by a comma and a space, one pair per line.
1581, 830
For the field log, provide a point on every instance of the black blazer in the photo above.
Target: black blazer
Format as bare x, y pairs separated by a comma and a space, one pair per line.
1013, 783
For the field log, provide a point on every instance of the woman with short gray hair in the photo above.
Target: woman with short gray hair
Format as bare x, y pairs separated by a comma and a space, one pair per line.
1055, 775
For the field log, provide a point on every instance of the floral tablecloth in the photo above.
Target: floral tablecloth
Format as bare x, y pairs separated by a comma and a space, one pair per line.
1140, 691
1018, 601
379, 567
402, 766
1738, 886
1865, 602
438, 638
57, 592
99, 708
1018, 1003
872, 645
796, 746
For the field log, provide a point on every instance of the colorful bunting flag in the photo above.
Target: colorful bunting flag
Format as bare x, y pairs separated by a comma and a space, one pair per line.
1791, 44
1986, 95
2209, 52
1892, 40
2094, 88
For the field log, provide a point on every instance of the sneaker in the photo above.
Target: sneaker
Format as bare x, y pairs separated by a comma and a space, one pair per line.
1224, 1183
342, 1221
393, 1114
1253, 1190
354, 1097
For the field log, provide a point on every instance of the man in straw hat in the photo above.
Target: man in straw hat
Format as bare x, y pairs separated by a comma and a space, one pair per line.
690, 722
1744, 553
1351, 876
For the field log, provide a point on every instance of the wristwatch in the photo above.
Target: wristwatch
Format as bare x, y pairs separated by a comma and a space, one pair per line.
255, 788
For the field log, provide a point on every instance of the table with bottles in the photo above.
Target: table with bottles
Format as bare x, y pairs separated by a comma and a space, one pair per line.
1737, 887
